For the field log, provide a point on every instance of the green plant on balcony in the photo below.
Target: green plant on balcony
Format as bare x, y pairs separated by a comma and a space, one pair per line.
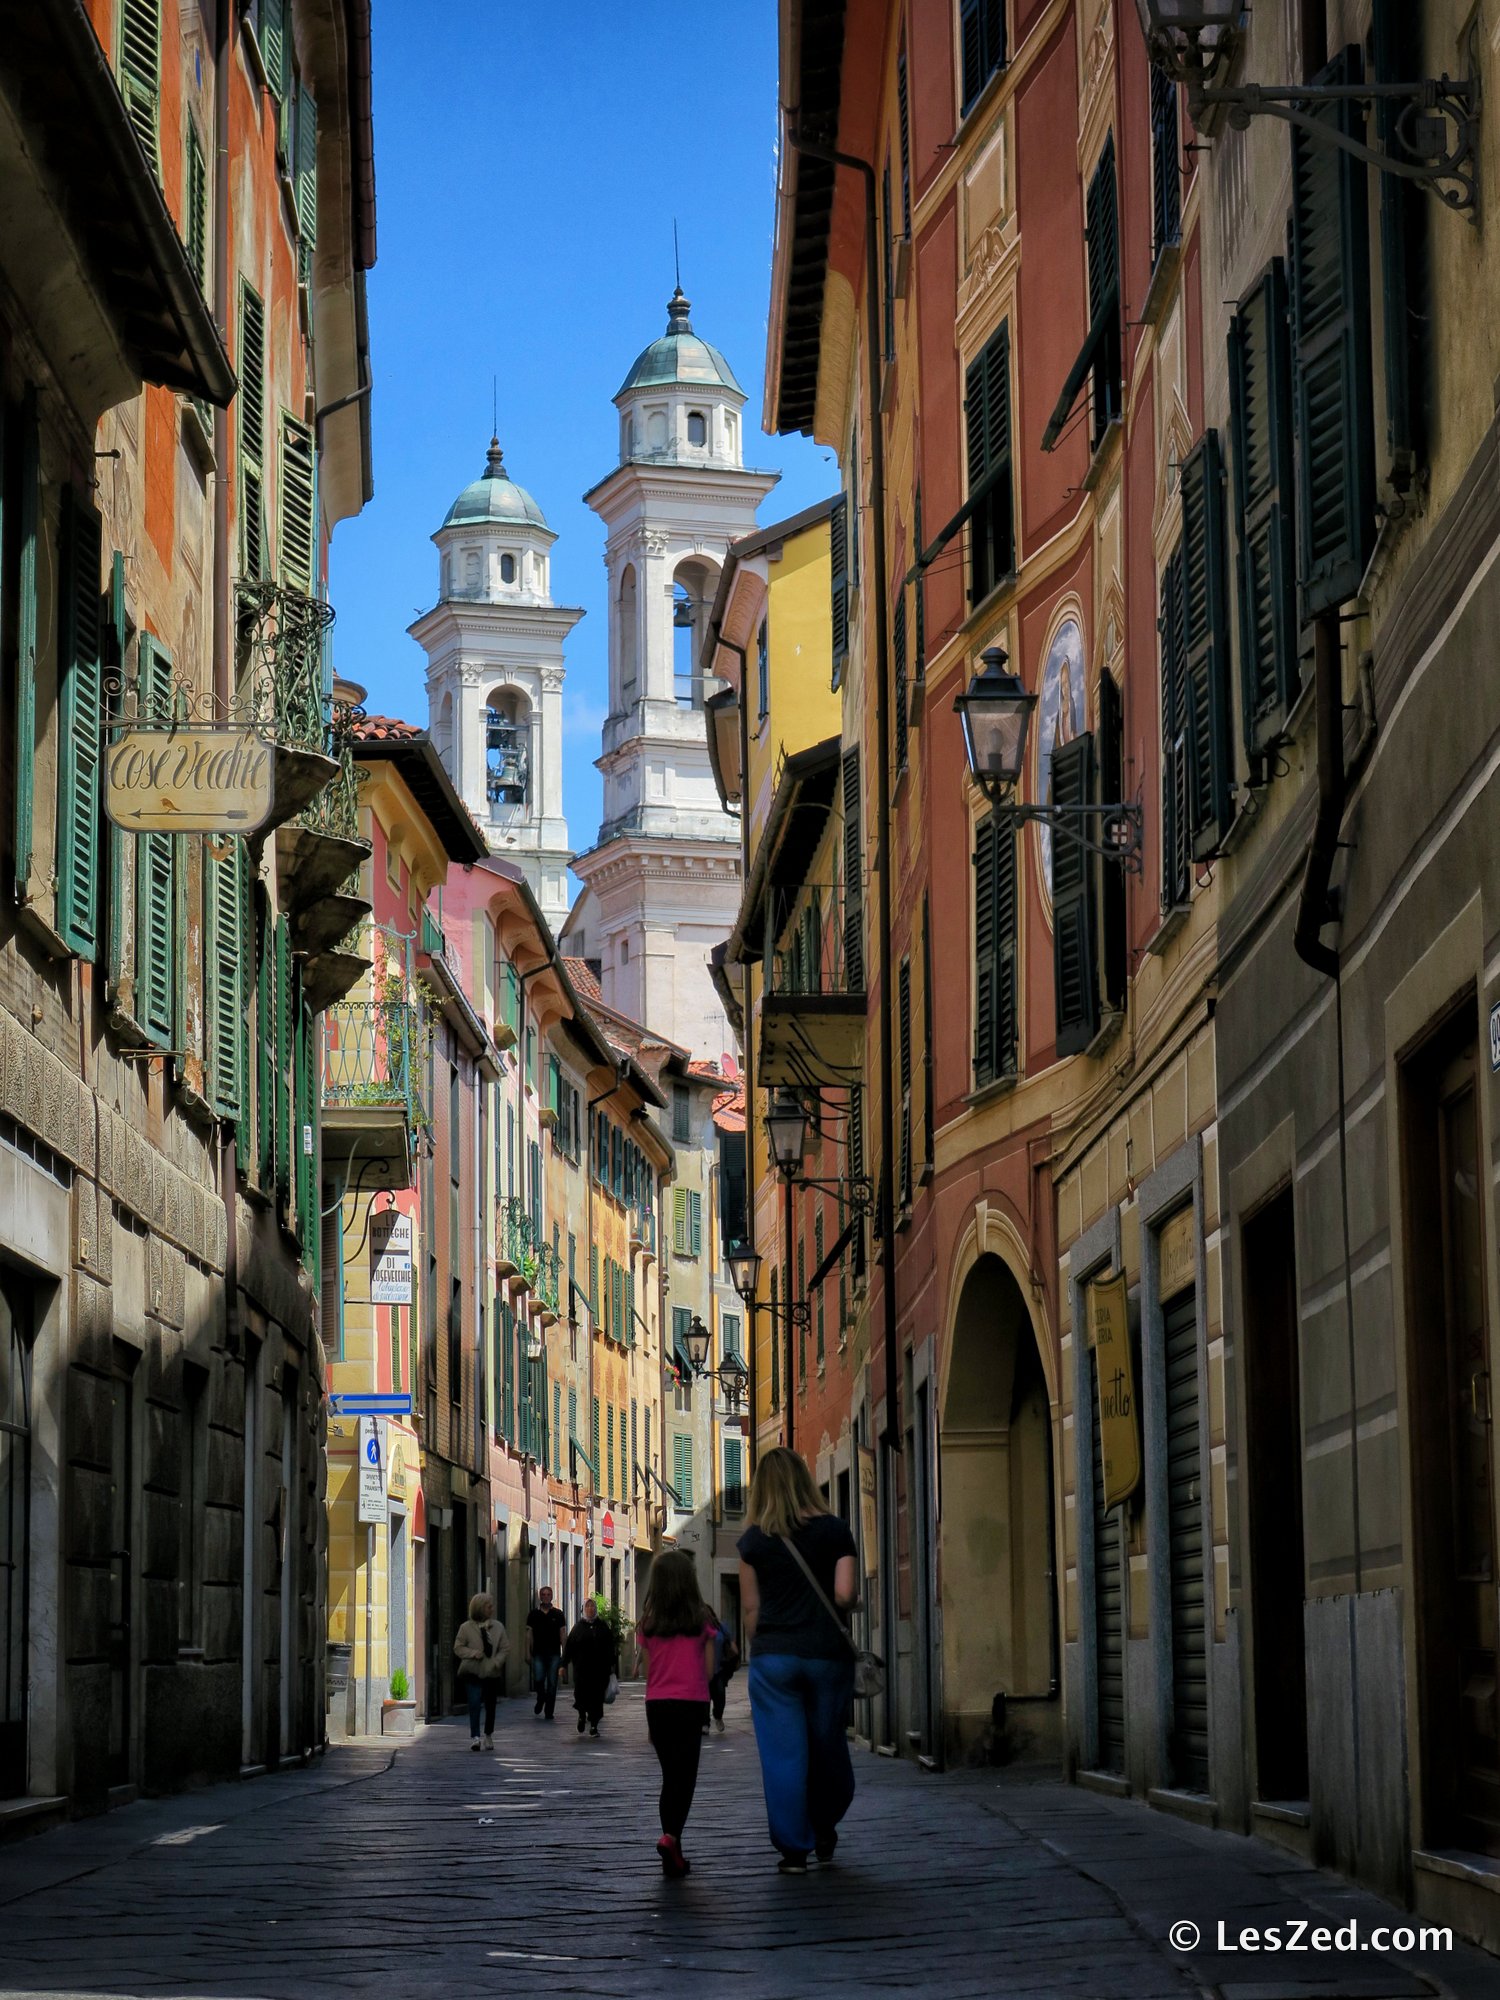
528, 1266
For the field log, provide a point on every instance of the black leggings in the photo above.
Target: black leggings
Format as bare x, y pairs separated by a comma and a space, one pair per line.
676, 1730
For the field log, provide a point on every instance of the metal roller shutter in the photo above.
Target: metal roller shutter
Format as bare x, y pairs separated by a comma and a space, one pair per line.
1189, 1735
1109, 1619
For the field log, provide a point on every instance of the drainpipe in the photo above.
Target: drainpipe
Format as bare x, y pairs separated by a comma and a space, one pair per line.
886, 1190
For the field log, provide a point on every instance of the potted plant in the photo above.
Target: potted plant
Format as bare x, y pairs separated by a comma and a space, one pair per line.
398, 1714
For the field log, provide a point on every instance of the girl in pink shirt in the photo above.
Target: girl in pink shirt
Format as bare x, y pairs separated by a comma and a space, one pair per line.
676, 1635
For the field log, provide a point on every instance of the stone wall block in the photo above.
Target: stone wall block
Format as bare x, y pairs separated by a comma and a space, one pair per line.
91, 1323
90, 1406
87, 1595
88, 1514
34, 1087
86, 1161
160, 1617
223, 1545
161, 1527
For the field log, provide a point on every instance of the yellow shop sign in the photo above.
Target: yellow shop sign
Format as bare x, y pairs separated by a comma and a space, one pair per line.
1114, 1385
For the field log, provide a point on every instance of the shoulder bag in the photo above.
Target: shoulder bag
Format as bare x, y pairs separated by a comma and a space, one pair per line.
869, 1668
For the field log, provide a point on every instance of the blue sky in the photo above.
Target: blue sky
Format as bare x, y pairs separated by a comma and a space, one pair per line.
529, 163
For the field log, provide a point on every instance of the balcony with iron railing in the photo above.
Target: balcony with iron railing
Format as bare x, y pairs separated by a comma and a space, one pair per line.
643, 1231
813, 991
517, 1243
371, 1106
546, 1290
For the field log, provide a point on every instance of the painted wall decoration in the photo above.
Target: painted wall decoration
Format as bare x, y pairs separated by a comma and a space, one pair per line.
1061, 714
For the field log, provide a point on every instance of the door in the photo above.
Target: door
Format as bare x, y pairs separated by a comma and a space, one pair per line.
1188, 1737
924, 1582
396, 1602
286, 1555
121, 1635
1454, 1441
1109, 1616
15, 1533
1273, 1422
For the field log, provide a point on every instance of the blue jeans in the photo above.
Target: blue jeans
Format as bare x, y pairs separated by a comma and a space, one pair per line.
544, 1681
799, 1708
483, 1695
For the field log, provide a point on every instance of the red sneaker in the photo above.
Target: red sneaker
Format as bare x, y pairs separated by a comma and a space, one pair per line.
673, 1861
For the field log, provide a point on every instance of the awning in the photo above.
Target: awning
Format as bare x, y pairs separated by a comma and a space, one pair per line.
102, 236
575, 1446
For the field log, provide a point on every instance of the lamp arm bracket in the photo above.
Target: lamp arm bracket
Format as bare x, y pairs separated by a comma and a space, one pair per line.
1452, 100
1070, 822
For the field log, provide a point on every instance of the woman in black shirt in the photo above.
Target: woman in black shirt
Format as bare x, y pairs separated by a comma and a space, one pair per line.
801, 1658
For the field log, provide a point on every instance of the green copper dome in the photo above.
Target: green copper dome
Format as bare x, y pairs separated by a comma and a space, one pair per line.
680, 357
493, 497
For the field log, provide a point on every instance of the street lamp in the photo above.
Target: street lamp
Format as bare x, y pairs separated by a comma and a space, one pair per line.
744, 1271
996, 713
1430, 138
697, 1341
733, 1377
786, 1129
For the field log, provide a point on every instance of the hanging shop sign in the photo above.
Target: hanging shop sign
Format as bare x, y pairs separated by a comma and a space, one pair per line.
374, 1505
1114, 1386
1177, 1255
607, 1531
869, 1529
199, 778
390, 1258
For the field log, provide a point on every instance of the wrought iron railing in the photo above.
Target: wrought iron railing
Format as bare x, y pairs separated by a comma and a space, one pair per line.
279, 661
369, 1056
546, 1287
812, 942
518, 1237
335, 811
434, 939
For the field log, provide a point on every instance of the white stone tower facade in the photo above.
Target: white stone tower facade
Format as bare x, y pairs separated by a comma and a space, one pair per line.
494, 643
661, 884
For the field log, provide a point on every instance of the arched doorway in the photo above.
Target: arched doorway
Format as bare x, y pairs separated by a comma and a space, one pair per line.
999, 1566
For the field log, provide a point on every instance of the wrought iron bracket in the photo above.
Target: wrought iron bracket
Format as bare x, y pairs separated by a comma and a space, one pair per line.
1437, 126
859, 1188
1122, 827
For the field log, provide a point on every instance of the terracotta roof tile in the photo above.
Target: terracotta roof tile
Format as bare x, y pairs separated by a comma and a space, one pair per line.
386, 729
729, 1109
585, 984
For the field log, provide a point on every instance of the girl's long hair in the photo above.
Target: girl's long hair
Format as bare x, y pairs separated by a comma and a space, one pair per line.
782, 1493
674, 1607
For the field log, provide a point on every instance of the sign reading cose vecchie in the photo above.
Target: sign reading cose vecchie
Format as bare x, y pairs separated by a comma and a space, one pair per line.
200, 778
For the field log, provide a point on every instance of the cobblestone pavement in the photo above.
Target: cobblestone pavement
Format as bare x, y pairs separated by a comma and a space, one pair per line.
428, 1870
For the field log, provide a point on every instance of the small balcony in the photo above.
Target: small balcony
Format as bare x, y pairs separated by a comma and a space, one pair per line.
517, 1250
319, 856
643, 1231
545, 1291
813, 996
370, 1103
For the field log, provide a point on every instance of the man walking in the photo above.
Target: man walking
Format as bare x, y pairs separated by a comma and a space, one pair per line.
545, 1629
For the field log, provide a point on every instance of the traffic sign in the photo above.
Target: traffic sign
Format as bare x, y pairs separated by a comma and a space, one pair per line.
374, 1505
370, 1406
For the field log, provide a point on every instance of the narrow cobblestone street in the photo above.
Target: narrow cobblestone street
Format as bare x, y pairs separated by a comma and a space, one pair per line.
400, 1870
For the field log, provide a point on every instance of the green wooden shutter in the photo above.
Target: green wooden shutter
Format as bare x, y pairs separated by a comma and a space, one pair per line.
838, 554
251, 406
224, 1008
981, 35
140, 73
988, 447
898, 668
195, 206
1102, 230
1396, 46
1206, 612
273, 27
734, 1475
679, 1221
1176, 842
28, 525
1166, 165
695, 1223
854, 916
1331, 370
630, 1308
609, 1449
1110, 748
305, 180
80, 723
265, 1011
903, 1142
296, 514
283, 1060
156, 979
619, 1306
995, 942
1265, 557
594, 1281
1075, 972
113, 928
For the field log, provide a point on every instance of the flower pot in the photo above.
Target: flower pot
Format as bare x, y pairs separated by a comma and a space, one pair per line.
398, 1718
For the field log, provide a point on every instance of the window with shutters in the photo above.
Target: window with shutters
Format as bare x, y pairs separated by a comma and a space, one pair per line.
195, 205
730, 1336
903, 1136
695, 1223
1176, 740
838, 584
594, 1436
1332, 406
898, 671
297, 515
853, 868
157, 929
304, 161
903, 120
682, 1471
1265, 558
822, 1344
996, 915
1405, 251
1203, 701
1166, 169
609, 1447
682, 1114
928, 1148
1109, 784
1100, 359
992, 544
140, 73
1074, 903
981, 42
80, 719
224, 959
734, 1475
250, 403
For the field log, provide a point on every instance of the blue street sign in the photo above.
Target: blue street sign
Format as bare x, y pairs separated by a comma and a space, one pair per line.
371, 1406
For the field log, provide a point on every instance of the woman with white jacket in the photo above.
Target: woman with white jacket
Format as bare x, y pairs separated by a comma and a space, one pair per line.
481, 1649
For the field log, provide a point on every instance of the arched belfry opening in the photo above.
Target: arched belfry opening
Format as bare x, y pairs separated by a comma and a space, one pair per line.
693, 586
508, 753
999, 1553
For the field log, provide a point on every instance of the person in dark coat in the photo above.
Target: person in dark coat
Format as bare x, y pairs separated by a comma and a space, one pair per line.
592, 1655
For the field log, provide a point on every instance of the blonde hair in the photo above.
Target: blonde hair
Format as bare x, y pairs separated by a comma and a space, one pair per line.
482, 1607
782, 1493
